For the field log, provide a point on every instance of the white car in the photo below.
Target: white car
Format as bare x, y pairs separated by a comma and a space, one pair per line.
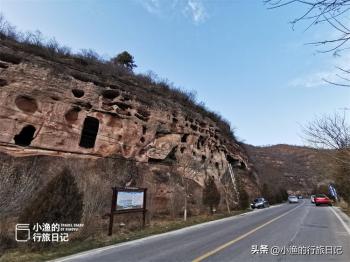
313, 199
293, 199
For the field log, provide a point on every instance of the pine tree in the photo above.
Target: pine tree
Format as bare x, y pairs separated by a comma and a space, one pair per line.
124, 59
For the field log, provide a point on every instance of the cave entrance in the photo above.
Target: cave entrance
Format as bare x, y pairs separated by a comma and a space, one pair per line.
25, 137
235, 163
232, 161
89, 133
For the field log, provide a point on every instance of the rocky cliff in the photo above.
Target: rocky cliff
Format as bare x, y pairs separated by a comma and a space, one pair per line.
109, 130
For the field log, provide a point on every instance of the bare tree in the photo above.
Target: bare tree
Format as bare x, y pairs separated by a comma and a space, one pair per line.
17, 184
329, 132
227, 192
316, 12
230, 195
332, 135
334, 13
190, 169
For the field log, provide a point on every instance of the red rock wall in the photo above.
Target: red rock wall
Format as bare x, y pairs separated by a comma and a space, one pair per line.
42, 112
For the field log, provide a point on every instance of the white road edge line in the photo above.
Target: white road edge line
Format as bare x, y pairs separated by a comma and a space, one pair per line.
341, 220
174, 232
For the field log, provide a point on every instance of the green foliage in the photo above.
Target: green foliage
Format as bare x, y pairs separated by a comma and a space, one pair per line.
124, 59
211, 194
60, 201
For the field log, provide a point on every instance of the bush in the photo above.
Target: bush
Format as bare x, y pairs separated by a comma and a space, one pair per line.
16, 186
211, 194
10, 58
284, 194
277, 198
59, 202
243, 198
6, 242
342, 177
266, 192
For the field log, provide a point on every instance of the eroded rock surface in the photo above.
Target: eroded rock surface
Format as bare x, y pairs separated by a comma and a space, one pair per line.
50, 113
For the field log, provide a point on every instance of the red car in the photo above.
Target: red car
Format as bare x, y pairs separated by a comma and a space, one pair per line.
322, 199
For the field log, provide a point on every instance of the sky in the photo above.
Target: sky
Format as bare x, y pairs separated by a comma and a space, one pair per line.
243, 60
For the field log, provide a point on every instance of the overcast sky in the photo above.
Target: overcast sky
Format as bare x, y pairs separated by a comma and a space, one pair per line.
243, 60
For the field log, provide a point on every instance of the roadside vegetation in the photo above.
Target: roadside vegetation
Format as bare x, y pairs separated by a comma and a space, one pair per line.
25, 253
330, 133
72, 196
75, 197
275, 195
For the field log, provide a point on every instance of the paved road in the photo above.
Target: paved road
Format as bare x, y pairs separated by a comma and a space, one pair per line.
289, 225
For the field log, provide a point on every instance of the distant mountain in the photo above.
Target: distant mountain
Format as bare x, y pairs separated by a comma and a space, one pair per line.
295, 168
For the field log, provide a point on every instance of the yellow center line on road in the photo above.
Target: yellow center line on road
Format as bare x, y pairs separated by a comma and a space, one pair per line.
218, 249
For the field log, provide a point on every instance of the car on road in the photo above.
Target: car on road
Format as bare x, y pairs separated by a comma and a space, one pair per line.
259, 202
293, 199
312, 199
322, 199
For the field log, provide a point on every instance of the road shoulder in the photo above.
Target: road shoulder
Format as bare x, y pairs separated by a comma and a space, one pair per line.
166, 234
342, 217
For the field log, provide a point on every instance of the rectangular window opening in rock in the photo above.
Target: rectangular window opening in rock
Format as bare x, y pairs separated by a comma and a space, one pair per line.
89, 132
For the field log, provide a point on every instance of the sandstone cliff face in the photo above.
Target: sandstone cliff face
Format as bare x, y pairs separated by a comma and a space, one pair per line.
54, 112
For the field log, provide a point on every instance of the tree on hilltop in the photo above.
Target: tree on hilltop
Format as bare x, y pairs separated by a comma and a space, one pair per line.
124, 59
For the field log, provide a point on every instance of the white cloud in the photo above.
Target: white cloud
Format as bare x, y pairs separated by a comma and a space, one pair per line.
152, 6
192, 9
315, 79
196, 11
319, 78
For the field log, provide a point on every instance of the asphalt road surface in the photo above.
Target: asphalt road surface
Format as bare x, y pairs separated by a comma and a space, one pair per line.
287, 232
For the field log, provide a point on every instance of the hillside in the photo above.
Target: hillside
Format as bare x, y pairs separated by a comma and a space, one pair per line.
63, 113
294, 168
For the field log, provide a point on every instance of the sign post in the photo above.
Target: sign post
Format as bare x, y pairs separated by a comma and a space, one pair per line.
127, 200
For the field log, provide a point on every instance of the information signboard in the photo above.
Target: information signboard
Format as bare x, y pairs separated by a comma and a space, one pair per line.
127, 200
